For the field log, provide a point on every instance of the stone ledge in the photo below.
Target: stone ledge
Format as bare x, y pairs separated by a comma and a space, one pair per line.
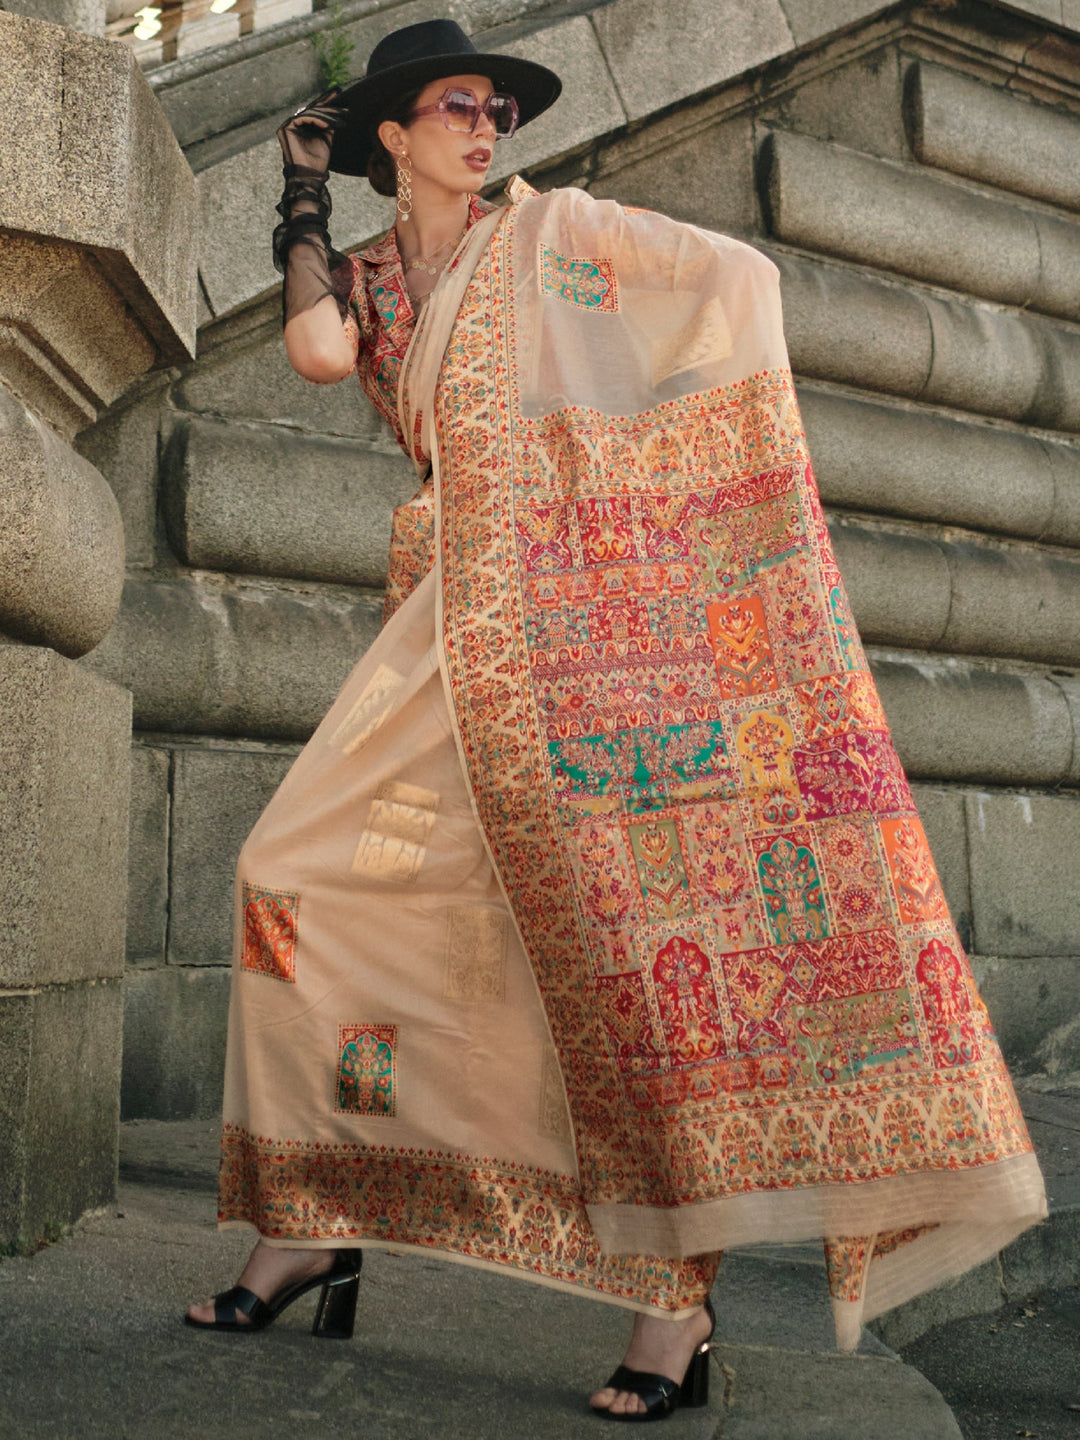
59, 1092
823, 197
920, 463
264, 500
108, 174
209, 654
954, 719
962, 593
854, 328
958, 124
61, 538
1033, 1003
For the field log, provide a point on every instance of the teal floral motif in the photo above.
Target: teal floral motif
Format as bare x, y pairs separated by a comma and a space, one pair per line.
366, 1073
845, 628
792, 888
590, 284
386, 303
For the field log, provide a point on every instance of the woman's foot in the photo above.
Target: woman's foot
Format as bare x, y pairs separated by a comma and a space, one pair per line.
658, 1346
270, 1270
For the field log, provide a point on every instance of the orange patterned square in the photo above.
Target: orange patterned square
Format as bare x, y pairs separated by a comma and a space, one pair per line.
916, 886
740, 641
270, 918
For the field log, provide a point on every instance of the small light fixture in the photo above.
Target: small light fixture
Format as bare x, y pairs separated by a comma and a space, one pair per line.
148, 23
218, 7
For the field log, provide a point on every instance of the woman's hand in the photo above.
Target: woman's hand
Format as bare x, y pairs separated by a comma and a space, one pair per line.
306, 137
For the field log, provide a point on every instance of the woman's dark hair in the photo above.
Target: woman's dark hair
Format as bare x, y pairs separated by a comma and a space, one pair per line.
381, 170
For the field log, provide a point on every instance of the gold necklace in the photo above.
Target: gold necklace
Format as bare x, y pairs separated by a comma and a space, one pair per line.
424, 262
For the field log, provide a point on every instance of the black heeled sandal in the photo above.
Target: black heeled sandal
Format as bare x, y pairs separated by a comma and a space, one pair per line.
333, 1319
662, 1395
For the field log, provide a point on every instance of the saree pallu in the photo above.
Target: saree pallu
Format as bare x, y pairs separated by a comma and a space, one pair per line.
760, 1013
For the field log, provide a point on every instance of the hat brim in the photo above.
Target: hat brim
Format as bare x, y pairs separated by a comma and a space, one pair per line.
533, 86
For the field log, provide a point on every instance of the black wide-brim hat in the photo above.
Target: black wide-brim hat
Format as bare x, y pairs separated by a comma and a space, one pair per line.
408, 59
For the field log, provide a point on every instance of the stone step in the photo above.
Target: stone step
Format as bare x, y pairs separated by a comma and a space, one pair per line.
859, 207
857, 328
958, 124
927, 464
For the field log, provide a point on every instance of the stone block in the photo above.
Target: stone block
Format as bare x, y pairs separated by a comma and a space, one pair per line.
859, 207
658, 55
898, 584
589, 105
845, 326
1025, 873
61, 538
942, 813
64, 776
953, 719
123, 445
1003, 364
265, 500
215, 655
929, 466
958, 123
1012, 599
1035, 1006
108, 174
148, 855
856, 104
59, 1107
236, 205
251, 379
175, 1023
704, 180
67, 361
218, 794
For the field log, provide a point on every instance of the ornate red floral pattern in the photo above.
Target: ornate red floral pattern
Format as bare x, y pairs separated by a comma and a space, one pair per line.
270, 920
666, 715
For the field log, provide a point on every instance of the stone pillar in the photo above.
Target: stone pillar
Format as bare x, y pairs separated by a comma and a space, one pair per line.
97, 285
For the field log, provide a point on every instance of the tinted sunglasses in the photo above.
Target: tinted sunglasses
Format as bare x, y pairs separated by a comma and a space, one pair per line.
460, 110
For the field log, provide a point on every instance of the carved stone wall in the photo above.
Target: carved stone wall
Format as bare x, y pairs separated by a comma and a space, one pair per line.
912, 171
97, 285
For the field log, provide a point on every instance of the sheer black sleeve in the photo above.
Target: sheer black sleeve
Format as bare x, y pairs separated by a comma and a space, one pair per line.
303, 252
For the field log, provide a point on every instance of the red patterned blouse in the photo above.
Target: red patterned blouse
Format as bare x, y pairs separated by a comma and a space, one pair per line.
381, 320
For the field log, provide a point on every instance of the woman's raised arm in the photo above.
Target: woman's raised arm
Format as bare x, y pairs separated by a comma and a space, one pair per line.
318, 280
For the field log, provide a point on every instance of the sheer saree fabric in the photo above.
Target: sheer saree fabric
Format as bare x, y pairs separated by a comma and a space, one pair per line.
766, 1023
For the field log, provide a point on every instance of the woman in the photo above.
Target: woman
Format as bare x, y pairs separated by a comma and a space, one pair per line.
594, 931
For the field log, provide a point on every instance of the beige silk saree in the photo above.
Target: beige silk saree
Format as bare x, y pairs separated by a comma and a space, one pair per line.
595, 930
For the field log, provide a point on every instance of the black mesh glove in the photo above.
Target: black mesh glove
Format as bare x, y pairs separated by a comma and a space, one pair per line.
302, 251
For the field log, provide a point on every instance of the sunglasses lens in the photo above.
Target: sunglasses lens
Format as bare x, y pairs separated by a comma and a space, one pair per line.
503, 111
459, 110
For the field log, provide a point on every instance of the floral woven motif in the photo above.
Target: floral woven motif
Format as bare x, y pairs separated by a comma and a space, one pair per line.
667, 715
367, 1070
589, 284
270, 920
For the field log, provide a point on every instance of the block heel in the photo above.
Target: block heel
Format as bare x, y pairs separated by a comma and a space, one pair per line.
336, 1315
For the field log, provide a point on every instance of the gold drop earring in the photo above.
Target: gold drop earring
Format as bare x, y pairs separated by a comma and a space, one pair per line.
404, 189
